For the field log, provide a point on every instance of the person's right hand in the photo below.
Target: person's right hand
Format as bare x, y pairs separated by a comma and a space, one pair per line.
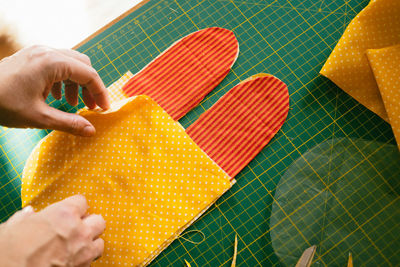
60, 235
31, 74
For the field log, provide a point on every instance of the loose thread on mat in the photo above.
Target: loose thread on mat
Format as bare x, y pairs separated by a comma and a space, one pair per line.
193, 242
234, 252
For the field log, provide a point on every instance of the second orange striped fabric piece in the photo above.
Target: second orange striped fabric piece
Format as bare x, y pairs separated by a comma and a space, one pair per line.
238, 126
186, 72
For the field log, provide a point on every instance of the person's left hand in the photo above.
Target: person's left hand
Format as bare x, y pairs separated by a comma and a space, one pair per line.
27, 78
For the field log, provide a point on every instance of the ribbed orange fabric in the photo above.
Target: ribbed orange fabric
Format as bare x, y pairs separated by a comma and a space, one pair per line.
237, 127
186, 72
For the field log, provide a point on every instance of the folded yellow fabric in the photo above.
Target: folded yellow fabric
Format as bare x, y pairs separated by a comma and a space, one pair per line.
385, 64
376, 26
141, 171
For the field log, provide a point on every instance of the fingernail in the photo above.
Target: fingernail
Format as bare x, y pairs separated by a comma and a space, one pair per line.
28, 209
107, 105
88, 131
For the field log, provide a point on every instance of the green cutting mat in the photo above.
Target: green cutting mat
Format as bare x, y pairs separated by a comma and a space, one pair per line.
289, 39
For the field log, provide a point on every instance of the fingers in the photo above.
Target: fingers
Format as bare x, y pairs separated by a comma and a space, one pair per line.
96, 224
98, 247
83, 74
71, 88
51, 118
78, 202
71, 92
88, 98
56, 90
89, 253
76, 55
75, 69
21, 214
88, 78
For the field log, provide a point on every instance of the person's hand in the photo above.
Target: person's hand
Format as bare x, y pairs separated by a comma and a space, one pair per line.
27, 78
60, 235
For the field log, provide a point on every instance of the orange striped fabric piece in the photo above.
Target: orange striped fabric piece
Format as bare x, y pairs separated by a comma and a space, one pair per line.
237, 127
185, 73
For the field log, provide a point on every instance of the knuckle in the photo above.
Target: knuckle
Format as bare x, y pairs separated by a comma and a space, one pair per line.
86, 59
103, 222
97, 248
42, 52
36, 47
67, 211
100, 246
81, 199
86, 234
84, 255
92, 74
43, 119
100, 222
74, 126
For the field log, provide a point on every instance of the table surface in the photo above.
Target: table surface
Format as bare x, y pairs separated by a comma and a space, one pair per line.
289, 39
28, 21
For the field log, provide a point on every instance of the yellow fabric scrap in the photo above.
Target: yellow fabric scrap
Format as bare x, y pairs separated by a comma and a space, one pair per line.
115, 90
376, 26
141, 171
385, 64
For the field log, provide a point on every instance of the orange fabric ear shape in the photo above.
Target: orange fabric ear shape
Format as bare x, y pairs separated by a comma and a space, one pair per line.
238, 126
185, 73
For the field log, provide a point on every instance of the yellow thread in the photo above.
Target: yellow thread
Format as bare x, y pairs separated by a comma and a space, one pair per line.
190, 241
350, 262
234, 252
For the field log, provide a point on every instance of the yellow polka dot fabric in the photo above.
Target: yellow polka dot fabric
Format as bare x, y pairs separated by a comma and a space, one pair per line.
385, 64
141, 171
376, 26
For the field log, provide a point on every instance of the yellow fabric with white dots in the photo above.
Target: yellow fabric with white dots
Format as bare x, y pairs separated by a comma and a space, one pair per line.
141, 171
385, 64
376, 26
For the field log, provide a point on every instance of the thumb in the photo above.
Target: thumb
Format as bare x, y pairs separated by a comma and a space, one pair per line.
67, 122
21, 214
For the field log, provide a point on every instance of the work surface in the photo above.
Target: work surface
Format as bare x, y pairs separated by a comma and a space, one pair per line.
289, 39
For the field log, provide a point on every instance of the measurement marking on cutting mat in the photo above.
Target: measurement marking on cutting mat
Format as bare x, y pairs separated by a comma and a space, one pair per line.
239, 236
137, 44
186, 14
148, 37
12, 165
130, 21
275, 51
311, 27
133, 47
367, 221
187, 252
110, 61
